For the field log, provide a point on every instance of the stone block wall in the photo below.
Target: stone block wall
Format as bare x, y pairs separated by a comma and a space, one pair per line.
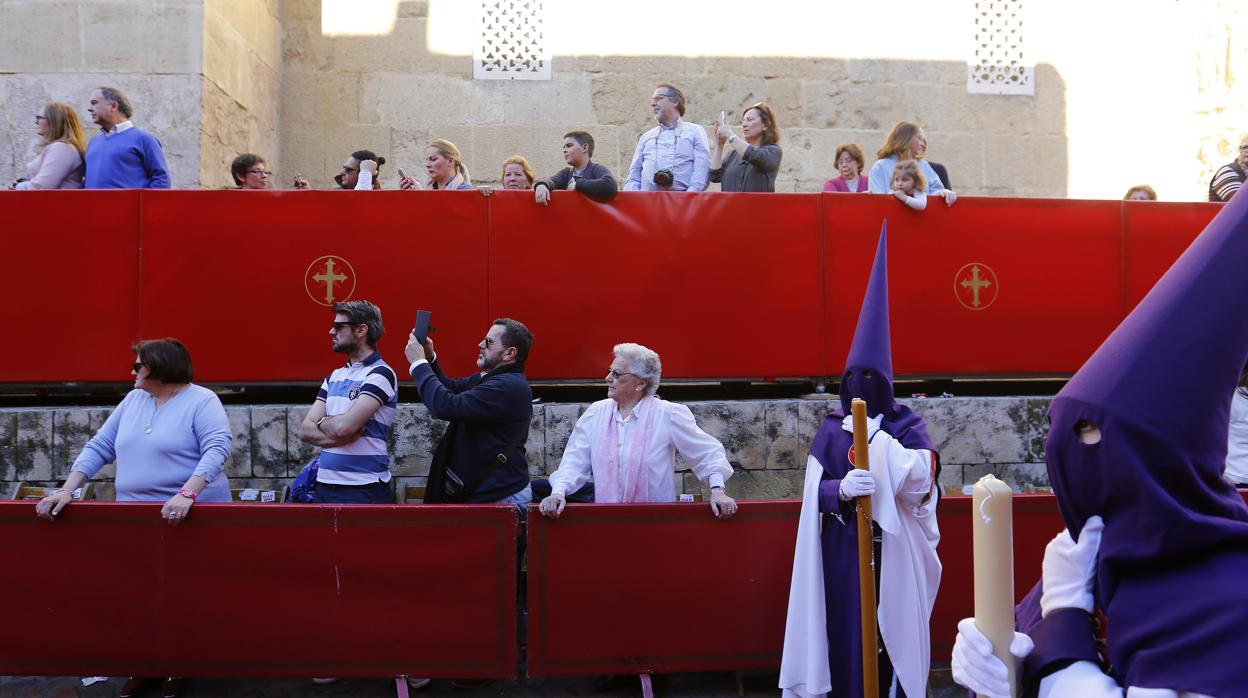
766, 441
62, 50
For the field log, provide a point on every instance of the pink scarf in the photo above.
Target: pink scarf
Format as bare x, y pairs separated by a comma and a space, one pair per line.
636, 484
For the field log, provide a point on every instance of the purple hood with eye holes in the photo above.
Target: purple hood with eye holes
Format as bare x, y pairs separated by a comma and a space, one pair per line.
1172, 574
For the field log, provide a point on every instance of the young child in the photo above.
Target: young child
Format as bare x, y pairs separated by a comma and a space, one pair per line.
909, 185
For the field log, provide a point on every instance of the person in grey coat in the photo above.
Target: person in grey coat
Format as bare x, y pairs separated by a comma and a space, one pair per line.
754, 157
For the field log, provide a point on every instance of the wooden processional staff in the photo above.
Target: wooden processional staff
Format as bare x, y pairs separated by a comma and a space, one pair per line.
866, 559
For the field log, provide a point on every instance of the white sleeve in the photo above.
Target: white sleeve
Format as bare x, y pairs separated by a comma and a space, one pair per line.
365, 180
917, 202
705, 454
911, 467
1083, 679
576, 465
633, 183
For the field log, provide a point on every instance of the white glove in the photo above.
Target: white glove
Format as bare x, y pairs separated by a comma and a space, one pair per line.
873, 424
857, 483
976, 667
1069, 569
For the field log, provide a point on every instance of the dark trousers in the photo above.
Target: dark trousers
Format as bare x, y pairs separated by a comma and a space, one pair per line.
376, 493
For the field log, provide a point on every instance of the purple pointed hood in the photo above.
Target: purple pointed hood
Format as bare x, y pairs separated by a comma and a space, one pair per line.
1175, 548
869, 366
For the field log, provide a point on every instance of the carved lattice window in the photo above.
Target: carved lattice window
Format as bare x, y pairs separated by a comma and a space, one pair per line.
512, 45
999, 65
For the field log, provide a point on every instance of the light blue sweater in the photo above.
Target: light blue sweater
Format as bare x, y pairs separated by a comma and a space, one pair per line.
190, 435
880, 179
130, 159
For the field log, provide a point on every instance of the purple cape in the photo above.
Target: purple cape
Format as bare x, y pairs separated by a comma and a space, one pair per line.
868, 375
1174, 555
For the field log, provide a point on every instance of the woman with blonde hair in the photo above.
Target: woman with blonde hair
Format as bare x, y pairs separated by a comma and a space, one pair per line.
753, 159
905, 142
58, 162
445, 166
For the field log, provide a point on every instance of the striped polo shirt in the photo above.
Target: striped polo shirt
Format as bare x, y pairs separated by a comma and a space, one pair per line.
365, 460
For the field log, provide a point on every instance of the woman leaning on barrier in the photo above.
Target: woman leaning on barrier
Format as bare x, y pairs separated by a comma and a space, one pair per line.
169, 438
627, 443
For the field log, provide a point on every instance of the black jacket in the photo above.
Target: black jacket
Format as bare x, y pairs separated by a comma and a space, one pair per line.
489, 414
595, 182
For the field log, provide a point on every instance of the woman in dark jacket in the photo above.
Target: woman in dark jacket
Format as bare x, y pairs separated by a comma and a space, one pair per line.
753, 158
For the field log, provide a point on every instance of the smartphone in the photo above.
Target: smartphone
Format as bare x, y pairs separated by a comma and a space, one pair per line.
402, 174
422, 329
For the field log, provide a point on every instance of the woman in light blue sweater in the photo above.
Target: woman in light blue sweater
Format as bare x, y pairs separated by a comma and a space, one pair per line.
169, 438
905, 142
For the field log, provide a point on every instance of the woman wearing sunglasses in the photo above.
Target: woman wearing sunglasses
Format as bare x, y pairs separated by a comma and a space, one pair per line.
169, 438
627, 444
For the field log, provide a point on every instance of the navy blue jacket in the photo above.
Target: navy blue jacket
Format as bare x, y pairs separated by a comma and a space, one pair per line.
488, 414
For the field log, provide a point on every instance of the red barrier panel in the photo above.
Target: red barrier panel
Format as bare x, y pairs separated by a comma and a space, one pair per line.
1154, 235
72, 269
256, 590
707, 281
658, 587
723, 285
975, 287
263, 268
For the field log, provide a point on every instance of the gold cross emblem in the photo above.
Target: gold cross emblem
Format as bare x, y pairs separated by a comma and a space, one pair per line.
329, 279
975, 286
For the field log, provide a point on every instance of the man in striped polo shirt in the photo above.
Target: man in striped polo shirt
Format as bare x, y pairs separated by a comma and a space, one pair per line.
354, 409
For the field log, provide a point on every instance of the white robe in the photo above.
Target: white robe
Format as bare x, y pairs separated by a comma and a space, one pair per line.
907, 592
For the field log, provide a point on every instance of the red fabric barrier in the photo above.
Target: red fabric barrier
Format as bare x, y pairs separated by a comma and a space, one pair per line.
658, 587
1038, 265
242, 271
72, 270
705, 281
256, 590
722, 285
1154, 235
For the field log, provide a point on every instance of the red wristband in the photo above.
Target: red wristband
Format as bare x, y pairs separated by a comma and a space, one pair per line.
188, 494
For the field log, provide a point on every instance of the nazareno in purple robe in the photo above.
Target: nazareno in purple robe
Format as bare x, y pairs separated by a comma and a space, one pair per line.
1172, 573
869, 376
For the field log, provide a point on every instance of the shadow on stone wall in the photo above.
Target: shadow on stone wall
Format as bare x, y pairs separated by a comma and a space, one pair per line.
393, 95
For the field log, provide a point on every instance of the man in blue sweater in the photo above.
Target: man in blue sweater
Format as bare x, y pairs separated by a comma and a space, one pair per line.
123, 157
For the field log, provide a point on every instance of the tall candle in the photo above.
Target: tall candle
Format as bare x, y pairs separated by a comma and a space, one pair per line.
992, 517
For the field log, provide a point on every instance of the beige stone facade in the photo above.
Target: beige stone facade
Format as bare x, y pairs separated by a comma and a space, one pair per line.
213, 78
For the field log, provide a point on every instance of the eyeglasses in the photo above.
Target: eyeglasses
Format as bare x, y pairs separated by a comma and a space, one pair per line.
137, 365
488, 342
262, 173
340, 325
612, 373
348, 168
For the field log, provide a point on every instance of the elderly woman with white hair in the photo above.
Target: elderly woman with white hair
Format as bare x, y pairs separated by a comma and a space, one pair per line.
627, 443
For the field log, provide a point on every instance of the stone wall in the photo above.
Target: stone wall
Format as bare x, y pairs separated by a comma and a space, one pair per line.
61, 50
766, 440
213, 78
241, 85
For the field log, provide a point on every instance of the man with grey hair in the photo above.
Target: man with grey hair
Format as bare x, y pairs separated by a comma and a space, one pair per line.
122, 157
628, 442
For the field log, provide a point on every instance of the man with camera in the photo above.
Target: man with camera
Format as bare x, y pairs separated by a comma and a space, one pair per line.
673, 156
480, 459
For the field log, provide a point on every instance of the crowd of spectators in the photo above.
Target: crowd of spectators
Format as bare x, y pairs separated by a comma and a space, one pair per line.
674, 155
